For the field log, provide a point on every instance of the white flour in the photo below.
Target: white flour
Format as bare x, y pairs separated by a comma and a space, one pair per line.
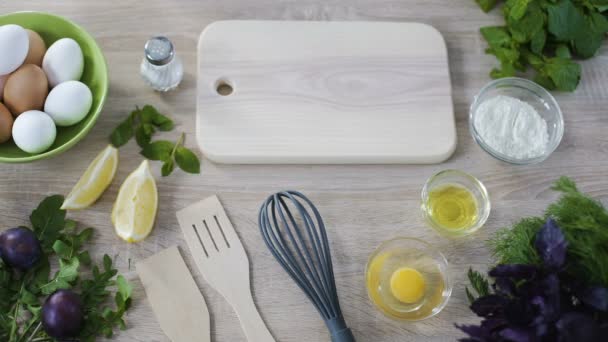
511, 127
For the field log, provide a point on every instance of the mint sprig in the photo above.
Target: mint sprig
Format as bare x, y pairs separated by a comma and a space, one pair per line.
545, 36
143, 124
171, 154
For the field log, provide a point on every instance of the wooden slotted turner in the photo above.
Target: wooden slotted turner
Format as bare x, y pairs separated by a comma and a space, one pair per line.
221, 259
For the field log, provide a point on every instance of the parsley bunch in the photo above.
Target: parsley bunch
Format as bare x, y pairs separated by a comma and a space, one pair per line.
143, 124
23, 293
545, 35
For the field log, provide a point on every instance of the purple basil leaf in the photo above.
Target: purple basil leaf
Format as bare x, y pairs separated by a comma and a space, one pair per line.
577, 327
492, 324
488, 305
551, 245
516, 334
475, 332
595, 297
505, 286
519, 312
515, 271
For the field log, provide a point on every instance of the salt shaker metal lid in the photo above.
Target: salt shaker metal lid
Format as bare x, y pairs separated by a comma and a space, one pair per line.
159, 50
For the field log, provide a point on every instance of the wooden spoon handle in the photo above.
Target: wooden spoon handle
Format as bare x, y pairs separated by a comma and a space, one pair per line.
253, 325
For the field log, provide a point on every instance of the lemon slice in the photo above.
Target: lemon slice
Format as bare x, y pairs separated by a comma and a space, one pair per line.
94, 181
135, 208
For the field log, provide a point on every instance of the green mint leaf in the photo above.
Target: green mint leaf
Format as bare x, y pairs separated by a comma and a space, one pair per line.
158, 150
517, 8
486, 5
544, 81
122, 133
159, 120
187, 160
167, 168
563, 72
68, 272
143, 134
587, 43
598, 22
564, 20
538, 41
496, 36
525, 28
48, 220
563, 51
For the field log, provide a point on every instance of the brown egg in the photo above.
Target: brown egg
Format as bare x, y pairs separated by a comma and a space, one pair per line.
6, 124
37, 49
26, 89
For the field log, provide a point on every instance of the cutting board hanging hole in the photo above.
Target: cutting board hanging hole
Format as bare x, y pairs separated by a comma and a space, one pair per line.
223, 88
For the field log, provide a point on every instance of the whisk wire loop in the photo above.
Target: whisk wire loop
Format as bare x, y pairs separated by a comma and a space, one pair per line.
303, 258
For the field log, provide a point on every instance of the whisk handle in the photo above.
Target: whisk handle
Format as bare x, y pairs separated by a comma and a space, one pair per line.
339, 331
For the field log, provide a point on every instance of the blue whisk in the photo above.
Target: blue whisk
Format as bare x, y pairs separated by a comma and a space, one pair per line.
299, 243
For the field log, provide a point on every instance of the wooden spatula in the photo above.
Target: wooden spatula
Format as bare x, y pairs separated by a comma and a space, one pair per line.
221, 258
174, 297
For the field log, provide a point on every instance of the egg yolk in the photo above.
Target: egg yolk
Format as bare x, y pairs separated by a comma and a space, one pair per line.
407, 285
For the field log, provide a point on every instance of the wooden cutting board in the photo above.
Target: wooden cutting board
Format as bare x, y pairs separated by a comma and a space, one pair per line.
295, 92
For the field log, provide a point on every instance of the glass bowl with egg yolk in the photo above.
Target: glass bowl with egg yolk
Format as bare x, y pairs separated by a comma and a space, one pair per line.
407, 279
455, 203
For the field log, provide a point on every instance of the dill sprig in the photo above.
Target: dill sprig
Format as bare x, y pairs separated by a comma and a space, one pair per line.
584, 222
479, 283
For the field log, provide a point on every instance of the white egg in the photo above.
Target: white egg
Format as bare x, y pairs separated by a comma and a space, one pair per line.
68, 103
2, 83
34, 131
14, 45
63, 62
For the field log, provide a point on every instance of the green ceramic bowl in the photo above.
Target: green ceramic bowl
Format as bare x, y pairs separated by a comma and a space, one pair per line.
95, 76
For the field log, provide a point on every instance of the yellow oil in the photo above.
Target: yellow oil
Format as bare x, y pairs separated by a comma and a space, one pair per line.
452, 207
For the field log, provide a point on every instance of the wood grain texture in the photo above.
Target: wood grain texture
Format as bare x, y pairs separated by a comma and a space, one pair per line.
223, 262
175, 298
324, 93
362, 205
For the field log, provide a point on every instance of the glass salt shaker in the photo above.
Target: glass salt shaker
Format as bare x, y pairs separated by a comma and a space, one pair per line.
161, 69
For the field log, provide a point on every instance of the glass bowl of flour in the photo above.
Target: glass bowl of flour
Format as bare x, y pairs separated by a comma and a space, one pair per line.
516, 120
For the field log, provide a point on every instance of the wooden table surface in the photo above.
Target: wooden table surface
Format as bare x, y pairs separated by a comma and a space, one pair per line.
362, 205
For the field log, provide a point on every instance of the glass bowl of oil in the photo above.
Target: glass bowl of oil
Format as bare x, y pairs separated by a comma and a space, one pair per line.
455, 203
407, 279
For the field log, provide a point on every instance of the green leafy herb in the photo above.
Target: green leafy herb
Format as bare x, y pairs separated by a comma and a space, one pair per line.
479, 283
64, 278
584, 222
546, 35
187, 160
142, 124
22, 293
171, 154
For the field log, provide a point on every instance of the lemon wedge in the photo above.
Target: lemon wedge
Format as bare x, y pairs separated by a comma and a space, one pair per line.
94, 181
135, 208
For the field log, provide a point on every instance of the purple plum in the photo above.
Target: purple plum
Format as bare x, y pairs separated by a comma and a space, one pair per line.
63, 314
20, 248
